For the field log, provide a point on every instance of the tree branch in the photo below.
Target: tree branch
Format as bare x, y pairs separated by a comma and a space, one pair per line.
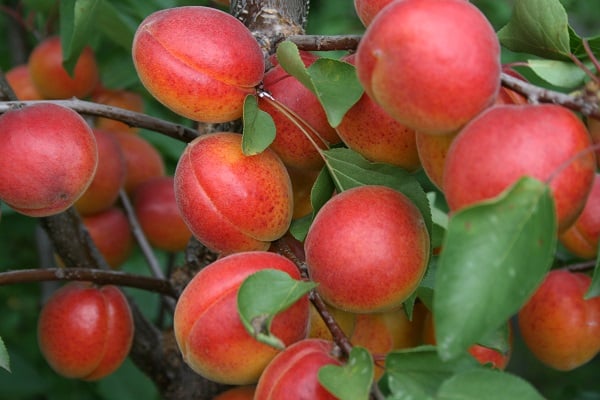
131, 118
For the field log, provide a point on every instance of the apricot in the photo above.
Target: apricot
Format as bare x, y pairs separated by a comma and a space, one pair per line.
50, 77
370, 131
366, 10
412, 60
143, 161
558, 325
293, 373
205, 78
19, 79
111, 233
302, 183
111, 172
232, 202
48, 158
594, 129
583, 236
482, 354
318, 328
367, 248
85, 332
383, 332
120, 98
291, 144
432, 150
157, 212
505, 143
208, 329
245, 392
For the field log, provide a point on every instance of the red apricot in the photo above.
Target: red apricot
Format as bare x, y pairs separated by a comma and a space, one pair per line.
367, 258
111, 232
205, 78
21, 83
120, 98
50, 77
370, 131
157, 212
48, 158
291, 144
412, 60
110, 175
432, 150
558, 325
302, 183
505, 143
84, 331
238, 393
232, 202
293, 373
208, 329
143, 161
583, 236
366, 10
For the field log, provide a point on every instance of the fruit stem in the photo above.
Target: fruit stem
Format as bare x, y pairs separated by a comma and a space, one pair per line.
584, 68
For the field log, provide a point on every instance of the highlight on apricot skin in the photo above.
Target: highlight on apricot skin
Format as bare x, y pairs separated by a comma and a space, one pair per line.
198, 61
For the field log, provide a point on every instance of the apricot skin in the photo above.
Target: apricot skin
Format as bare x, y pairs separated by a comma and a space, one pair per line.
109, 178
48, 158
85, 332
560, 328
157, 212
501, 142
21, 83
205, 79
367, 258
208, 329
232, 202
111, 232
413, 62
366, 10
582, 237
293, 373
52, 80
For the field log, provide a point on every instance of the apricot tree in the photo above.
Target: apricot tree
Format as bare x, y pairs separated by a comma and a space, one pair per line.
390, 210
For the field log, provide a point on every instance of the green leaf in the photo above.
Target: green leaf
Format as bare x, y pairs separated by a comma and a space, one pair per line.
417, 373
76, 27
263, 295
334, 82
115, 25
538, 27
259, 128
321, 191
494, 256
487, 384
558, 73
337, 87
349, 169
4, 357
498, 339
351, 381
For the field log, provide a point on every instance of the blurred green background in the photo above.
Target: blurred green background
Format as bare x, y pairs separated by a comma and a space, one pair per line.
31, 378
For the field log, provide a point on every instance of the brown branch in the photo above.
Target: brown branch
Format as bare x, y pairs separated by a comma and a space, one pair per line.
133, 119
586, 105
325, 43
101, 277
